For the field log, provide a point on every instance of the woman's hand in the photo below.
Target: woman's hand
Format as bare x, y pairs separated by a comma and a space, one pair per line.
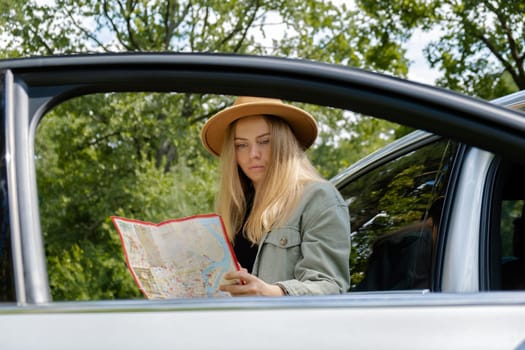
249, 285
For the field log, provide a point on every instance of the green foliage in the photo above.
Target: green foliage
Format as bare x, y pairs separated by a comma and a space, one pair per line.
345, 138
481, 44
482, 50
313, 29
140, 155
102, 155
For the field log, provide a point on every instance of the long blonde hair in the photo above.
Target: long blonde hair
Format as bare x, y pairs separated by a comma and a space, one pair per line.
279, 193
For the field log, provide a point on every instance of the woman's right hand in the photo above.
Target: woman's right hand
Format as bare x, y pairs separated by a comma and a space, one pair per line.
249, 285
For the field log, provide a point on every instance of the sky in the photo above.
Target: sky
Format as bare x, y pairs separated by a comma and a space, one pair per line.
420, 70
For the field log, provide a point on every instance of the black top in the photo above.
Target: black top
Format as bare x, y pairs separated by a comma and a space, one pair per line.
245, 251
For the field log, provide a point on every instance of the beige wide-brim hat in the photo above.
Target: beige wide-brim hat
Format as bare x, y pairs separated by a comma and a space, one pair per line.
303, 125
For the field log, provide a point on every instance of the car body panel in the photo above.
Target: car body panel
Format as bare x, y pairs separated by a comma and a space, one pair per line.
461, 261
489, 321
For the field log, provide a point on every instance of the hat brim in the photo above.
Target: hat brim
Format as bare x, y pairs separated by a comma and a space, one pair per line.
303, 125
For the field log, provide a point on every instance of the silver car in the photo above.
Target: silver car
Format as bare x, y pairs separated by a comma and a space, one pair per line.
436, 216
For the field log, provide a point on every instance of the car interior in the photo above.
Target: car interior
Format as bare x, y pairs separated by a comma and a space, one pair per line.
507, 233
395, 212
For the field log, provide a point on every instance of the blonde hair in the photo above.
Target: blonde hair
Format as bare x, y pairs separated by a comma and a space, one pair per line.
279, 193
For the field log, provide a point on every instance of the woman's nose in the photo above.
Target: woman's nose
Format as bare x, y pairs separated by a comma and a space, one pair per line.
255, 151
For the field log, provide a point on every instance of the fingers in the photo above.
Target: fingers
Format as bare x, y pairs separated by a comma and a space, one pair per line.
237, 289
247, 284
241, 268
241, 275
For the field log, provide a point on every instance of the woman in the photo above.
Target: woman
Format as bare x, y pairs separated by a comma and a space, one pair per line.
289, 227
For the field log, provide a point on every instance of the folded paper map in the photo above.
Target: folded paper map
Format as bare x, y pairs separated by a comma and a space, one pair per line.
186, 257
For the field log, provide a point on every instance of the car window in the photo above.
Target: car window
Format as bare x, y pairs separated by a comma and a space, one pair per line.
7, 283
7, 286
139, 156
506, 238
513, 245
395, 210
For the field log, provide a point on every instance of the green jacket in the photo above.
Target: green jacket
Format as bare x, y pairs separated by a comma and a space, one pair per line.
310, 254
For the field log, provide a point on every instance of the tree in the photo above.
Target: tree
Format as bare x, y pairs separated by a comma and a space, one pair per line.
139, 155
482, 50
481, 44
97, 156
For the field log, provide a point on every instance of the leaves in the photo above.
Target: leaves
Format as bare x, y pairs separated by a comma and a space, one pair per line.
482, 51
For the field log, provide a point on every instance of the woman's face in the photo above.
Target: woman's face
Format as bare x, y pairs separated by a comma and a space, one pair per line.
252, 147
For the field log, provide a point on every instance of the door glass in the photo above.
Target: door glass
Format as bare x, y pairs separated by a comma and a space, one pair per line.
512, 229
139, 155
395, 211
507, 248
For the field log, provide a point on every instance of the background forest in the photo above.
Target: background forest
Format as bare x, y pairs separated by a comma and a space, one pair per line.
139, 155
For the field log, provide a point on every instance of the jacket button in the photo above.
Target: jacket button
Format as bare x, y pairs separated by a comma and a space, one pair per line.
283, 241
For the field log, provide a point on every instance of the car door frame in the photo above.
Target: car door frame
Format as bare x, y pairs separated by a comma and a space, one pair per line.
33, 86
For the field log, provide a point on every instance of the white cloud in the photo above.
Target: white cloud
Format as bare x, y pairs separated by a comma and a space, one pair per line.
419, 69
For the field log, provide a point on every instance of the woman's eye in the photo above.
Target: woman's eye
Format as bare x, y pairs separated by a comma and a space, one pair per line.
240, 145
264, 141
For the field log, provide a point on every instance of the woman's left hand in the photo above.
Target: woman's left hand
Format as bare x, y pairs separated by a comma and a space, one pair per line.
249, 285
